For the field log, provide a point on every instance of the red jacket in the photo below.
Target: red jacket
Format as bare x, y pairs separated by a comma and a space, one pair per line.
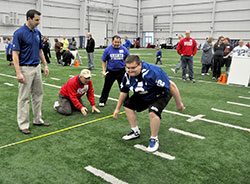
74, 89
187, 47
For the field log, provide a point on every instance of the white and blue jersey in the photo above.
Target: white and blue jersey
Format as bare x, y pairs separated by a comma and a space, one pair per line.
151, 83
240, 51
115, 57
28, 43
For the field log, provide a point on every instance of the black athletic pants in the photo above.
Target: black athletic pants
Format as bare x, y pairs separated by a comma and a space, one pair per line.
109, 80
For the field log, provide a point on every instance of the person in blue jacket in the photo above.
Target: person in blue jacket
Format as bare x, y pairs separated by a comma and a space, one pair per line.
152, 90
158, 56
127, 43
9, 47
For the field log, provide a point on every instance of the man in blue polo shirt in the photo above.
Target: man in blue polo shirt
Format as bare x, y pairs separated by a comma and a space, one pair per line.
153, 90
115, 56
27, 49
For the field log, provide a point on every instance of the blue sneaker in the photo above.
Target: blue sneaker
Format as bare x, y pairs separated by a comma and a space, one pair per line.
153, 145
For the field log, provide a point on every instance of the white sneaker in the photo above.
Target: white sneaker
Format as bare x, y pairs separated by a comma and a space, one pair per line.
132, 135
101, 104
173, 70
153, 145
202, 73
207, 74
56, 104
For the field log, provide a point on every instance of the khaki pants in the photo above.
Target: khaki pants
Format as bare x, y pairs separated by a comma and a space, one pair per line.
33, 84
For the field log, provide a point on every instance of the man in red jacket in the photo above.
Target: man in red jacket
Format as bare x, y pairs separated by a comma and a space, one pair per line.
187, 48
71, 93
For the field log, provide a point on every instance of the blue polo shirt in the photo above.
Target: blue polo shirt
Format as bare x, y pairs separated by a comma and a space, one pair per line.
28, 43
115, 57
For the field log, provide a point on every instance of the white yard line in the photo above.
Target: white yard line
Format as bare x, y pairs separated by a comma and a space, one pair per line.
244, 97
167, 111
240, 104
160, 154
194, 118
227, 112
186, 133
53, 78
107, 177
8, 84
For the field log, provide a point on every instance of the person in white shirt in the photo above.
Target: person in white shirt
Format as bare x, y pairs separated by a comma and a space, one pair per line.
241, 49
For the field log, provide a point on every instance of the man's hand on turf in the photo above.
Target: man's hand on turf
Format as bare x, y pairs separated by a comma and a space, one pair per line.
94, 109
116, 112
84, 111
180, 107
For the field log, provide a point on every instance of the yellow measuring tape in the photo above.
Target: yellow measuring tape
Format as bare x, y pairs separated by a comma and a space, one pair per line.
58, 131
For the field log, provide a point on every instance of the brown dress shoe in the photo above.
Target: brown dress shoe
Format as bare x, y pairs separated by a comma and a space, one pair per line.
25, 131
42, 124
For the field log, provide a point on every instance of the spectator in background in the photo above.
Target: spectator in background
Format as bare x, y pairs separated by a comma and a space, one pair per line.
46, 49
158, 56
115, 56
58, 50
219, 48
180, 37
67, 57
71, 93
65, 43
73, 44
241, 49
187, 48
248, 44
90, 48
227, 54
127, 43
9, 47
74, 51
207, 56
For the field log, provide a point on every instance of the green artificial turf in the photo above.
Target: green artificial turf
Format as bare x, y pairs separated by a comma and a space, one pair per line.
223, 157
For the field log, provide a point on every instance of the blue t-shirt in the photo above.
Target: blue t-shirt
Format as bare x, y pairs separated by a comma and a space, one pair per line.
127, 43
151, 83
158, 53
115, 57
9, 49
28, 43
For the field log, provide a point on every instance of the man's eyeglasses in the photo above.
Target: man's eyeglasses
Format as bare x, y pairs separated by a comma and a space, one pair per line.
87, 78
132, 68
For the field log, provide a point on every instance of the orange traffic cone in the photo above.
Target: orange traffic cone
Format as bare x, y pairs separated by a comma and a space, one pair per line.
222, 79
76, 63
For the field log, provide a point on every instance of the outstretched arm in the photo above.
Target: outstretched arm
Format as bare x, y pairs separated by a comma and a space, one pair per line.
119, 104
177, 97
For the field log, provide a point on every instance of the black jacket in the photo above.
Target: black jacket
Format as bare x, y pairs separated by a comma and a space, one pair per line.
90, 45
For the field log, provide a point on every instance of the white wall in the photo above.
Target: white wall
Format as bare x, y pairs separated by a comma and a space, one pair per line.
104, 18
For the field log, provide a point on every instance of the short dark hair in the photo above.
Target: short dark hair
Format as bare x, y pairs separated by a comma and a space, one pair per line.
116, 37
31, 13
133, 58
56, 40
228, 39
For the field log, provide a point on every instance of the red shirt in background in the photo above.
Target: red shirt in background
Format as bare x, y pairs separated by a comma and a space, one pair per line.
74, 89
187, 47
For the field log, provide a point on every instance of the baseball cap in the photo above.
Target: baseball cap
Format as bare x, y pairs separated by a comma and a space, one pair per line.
85, 73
